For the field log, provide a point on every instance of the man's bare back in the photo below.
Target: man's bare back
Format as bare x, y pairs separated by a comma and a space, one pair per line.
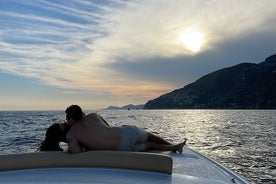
92, 133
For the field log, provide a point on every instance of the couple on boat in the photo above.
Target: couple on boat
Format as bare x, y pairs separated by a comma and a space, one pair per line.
91, 132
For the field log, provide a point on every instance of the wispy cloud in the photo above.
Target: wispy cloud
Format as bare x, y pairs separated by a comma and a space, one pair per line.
72, 44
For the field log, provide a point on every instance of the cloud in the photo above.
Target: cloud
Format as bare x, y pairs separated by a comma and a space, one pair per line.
74, 44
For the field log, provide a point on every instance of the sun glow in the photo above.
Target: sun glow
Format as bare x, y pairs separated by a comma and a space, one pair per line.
192, 40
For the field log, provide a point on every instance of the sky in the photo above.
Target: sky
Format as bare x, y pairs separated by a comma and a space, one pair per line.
97, 53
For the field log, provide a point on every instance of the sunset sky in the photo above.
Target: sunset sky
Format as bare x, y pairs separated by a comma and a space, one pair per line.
96, 53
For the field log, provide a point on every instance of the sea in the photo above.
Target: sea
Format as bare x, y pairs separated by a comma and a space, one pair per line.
242, 140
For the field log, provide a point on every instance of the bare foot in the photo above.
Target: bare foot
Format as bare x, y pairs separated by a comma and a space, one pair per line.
181, 145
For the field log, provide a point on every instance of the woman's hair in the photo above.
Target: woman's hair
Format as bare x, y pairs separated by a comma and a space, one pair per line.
54, 135
74, 112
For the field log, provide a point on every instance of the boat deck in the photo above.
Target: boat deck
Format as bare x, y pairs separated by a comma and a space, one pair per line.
114, 167
192, 163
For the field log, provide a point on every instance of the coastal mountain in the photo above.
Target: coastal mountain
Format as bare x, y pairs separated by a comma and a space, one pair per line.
128, 107
243, 86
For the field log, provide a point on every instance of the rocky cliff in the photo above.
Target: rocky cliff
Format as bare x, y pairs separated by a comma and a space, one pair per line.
243, 86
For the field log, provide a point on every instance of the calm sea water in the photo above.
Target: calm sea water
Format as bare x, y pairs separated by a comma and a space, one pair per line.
243, 140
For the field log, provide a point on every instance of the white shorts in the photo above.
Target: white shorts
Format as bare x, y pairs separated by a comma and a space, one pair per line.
132, 138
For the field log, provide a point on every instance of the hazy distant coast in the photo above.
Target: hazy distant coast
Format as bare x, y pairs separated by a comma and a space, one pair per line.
128, 107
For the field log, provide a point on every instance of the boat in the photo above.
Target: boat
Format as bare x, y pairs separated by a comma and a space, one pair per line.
115, 167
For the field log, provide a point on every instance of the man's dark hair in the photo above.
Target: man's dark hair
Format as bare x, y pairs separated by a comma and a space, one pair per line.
74, 112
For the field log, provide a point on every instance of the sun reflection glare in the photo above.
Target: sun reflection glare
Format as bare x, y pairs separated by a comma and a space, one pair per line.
192, 39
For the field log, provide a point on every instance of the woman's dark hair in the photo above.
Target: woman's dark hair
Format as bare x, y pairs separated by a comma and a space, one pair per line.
54, 135
74, 112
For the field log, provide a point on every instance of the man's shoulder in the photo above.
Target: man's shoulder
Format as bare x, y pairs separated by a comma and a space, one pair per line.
89, 116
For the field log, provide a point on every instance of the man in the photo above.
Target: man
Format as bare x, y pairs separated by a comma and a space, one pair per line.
92, 132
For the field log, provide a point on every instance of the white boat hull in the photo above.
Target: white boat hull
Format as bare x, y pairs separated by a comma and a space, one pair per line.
189, 167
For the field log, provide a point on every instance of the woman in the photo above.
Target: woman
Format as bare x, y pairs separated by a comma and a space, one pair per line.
55, 134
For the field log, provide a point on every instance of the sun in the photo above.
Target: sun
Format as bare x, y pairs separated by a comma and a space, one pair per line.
192, 40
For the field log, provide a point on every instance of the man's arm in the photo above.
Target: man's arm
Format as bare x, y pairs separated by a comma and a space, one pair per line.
73, 145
